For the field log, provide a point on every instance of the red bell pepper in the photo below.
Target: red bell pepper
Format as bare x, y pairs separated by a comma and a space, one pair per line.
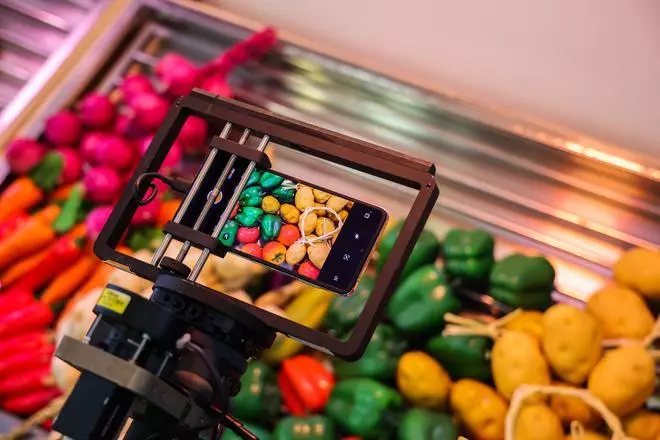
305, 384
14, 299
27, 404
24, 342
63, 253
25, 360
34, 316
12, 224
27, 381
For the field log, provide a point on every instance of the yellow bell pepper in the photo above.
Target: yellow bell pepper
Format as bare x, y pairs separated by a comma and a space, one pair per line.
422, 380
639, 269
309, 309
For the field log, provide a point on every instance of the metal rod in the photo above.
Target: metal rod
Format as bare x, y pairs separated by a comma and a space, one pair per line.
140, 348
225, 215
210, 198
155, 260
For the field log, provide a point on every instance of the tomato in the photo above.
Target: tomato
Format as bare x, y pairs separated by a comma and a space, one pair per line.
288, 235
248, 235
252, 249
307, 269
274, 252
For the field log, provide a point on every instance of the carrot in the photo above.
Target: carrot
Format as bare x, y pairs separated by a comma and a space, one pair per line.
62, 193
67, 282
21, 195
167, 211
34, 235
48, 214
21, 267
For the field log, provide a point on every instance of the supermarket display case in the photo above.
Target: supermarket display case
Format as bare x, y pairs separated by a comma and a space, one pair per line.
535, 190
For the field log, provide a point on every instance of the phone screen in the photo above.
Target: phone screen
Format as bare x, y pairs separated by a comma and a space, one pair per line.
298, 228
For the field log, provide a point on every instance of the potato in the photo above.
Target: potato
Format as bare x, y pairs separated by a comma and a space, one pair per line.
479, 408
296, 253
320, 212
621, 312
588, 435
537, 422
639, 269
422, 380
516, 359
343, 215
304, 198
624, 378
572, 342
318, 253
310, 223
643, 425
570, 409
320, 196
336, 203
289, 213
529, 321
324, 226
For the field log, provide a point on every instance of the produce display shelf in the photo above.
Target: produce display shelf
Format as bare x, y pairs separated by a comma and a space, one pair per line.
35, 38
575, 208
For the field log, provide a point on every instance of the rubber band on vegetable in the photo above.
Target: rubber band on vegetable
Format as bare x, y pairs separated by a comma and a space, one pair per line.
460, 325
301, 222
525, 391
653, 335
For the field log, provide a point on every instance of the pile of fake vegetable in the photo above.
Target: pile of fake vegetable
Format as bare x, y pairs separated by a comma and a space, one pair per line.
434, 370
60, 193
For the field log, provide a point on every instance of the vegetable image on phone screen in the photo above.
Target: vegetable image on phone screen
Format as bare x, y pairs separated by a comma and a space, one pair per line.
285, 223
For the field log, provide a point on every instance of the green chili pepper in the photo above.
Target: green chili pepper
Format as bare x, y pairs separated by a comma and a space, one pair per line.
365, 408
424, 424
46, 174
269, 180
270, 227
259, 399
304, 428
68, 217
249, 216
464, 357
345, 311
379, 360
145, 238
228, 233
523, 282
468, 254
419, 304
254, 178
284, 195
426, 250
251, 196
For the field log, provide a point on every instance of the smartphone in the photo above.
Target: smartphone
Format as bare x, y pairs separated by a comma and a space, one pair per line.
296, 227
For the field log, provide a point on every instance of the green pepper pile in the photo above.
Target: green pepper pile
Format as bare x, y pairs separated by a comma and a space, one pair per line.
400, 388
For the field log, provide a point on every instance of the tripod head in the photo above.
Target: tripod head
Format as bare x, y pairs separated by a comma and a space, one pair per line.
170, 364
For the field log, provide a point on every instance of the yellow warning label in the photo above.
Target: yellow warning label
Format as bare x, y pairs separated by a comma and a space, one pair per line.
114, 300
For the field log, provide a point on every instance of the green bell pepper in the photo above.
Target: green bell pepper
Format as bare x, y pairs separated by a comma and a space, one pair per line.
260, 398
284, 195
345, 311
254, 178
522, 281
68, 217
424, 424
419, 304
228, 233
46, 174
426, 250
258, 431
249, 216
468, 254
270, 227
269, 180
380, 358
365, 408
462, 356
304, 428
251, 196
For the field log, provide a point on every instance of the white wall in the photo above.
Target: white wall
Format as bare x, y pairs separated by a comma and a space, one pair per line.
589, 65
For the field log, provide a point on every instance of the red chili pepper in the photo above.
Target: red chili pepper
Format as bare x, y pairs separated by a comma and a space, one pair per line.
27, 341
62, 254
25, 360
27, 381
13, 223
34, 316
28, 404
305, 384
14, 299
